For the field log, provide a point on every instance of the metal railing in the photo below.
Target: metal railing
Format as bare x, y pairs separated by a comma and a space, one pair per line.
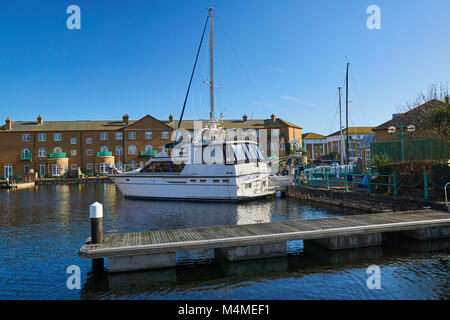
26, 156
148, 153
104, 154
346, 179
58, 155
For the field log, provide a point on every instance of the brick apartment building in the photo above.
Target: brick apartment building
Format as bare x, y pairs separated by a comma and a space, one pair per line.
52, 148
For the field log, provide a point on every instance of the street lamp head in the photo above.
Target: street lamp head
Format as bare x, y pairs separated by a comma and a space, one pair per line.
411, 128
391, 130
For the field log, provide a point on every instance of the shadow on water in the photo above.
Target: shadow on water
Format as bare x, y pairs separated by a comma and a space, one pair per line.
204, 275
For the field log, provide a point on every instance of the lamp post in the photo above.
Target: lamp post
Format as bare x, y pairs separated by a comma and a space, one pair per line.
410, 128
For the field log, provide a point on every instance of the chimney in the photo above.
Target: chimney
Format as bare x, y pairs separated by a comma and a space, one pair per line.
244, 118
170, 118
8, 124
125, 119
272, 117
39, 120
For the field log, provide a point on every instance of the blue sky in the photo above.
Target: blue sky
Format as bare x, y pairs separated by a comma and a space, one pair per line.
284, 57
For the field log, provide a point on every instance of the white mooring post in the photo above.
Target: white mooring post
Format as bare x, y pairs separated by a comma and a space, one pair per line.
96, 215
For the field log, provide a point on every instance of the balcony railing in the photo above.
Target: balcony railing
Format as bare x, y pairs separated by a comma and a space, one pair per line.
58, 155
104, 154
26, 157
149, 153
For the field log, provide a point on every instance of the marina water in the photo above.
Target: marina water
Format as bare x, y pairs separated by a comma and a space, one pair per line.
42, 229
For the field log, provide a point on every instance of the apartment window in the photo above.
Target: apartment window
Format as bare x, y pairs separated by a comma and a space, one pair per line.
119, 136
103, 149
73, 152
132, 150
73, 166
57, 137
164, 135
73, 140
25, 137
89, 152
42, 153
26, 169
41, 137
133, 164
119, 151
148, 135
132, 135
88, 140
89, 166
104, 136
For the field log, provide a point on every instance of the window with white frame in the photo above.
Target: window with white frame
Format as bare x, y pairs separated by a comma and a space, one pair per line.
103, 149
148, 147
41, 137
165, 135
73, 166
119, 135
133, 164
73, 140
132, 150
89, 152
73, 152
57, 137
104, 136
132, 135
42, 153
89, 166
148, 135
88, 140
25, 137
119, 151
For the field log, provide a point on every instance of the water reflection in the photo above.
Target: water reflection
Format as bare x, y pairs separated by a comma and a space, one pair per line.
316, 270
42, 229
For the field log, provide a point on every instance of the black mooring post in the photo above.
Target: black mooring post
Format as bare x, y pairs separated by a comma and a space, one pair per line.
96, 215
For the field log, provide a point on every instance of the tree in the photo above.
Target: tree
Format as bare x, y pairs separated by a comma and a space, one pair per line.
438, 120
378, 160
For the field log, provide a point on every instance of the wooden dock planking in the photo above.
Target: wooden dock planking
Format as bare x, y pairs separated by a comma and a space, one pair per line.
160, 241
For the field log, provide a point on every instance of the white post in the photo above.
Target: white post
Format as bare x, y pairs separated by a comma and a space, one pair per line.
96, 215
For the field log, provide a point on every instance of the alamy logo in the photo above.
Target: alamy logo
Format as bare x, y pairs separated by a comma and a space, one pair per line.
74, 20
374, 20
374, 279
74, 280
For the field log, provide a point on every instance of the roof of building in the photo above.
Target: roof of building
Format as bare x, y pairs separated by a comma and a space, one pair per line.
353, 130
105, 125
78, 125
367, 140
233, 123
312, 135
416, 116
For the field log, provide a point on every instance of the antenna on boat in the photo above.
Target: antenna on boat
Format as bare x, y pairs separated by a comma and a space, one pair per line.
346, 114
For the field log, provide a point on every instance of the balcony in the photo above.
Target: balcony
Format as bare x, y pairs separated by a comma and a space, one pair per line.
148, 153
54, 155
104, 154
26, 157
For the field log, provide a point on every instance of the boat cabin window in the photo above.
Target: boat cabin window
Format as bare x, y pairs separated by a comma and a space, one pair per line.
163, 166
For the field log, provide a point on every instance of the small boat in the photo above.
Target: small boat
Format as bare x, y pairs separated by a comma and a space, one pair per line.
207, 167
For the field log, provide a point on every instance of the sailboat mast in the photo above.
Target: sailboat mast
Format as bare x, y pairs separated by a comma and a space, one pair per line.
346, 114
211, 80
341, 142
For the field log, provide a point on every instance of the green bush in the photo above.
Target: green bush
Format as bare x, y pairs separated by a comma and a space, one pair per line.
440, 174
